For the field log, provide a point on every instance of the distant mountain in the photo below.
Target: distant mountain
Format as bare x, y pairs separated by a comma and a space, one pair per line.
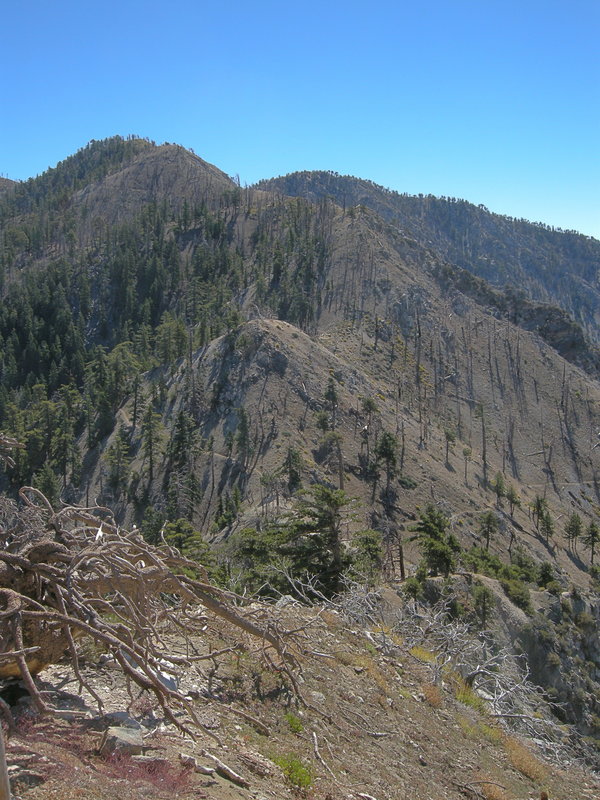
115, 178
549, 266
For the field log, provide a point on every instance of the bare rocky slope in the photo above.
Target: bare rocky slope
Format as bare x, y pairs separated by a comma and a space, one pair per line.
374, 720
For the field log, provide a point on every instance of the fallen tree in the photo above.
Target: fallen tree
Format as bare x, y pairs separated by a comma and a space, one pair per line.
71, 574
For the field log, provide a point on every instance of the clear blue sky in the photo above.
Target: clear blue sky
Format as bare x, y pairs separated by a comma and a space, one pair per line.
494, 102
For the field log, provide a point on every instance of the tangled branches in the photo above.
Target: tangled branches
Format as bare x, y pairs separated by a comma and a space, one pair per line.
73, 573
451, 651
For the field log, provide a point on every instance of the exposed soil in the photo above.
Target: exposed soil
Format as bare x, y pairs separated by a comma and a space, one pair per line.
369, 725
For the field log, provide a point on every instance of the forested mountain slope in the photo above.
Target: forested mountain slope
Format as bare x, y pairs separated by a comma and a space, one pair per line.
197, 355
126, 265
548, 265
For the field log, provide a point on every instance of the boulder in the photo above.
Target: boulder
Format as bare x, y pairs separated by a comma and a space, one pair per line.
122, 741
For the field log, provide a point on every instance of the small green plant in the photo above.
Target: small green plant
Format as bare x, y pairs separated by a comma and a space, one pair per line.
476, 731
554, 588
584, 620
553, 660
294, 723
406, 482
422, 654
466, 696
566, 606
479, 560
295, 771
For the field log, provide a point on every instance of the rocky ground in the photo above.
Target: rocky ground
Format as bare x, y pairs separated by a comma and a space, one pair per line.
365, 721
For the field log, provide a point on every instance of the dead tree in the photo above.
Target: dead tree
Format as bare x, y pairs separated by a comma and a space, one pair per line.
73, 574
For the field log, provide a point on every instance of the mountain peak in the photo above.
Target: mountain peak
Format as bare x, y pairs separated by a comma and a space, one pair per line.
112, 179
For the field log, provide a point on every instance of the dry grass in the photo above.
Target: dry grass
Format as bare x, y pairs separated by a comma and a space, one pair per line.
367, 664
493, 791
347, 659
480, 731
524, 760
465, 695
433, 695
422, 654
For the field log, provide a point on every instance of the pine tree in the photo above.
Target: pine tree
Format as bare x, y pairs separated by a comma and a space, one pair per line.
316, 536
538, 510
117, 458
467, 452
547, 526
385, 451
293, 468
331, 396
499, 487
242, 437
439, 547
488, 526
591, 539
450, 438
47, 482
152, 430
573, 530
483, 599
513, 498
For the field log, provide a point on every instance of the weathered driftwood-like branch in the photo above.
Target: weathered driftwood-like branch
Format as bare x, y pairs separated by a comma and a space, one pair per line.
73, 573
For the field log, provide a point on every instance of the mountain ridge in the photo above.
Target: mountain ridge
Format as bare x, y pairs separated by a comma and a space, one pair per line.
552, 266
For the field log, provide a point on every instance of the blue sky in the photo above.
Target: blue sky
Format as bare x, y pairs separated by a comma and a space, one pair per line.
494, 102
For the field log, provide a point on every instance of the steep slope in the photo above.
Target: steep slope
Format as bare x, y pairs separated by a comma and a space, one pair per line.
91, 163
115, 178
164, 173
373, 724
103, 186
394, 323
191, 353
551, 266
429, 359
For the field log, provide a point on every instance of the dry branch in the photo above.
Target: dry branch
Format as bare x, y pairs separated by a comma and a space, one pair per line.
225, 771
74, 573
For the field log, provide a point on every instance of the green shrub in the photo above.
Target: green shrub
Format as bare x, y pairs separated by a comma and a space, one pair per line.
412, 587
483, 601
566, 606
525, 566
406, 482
545, 574
295, 724
368, 555
466, 696
477, 559
584, 620
553, 660
518, 593
295, 771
